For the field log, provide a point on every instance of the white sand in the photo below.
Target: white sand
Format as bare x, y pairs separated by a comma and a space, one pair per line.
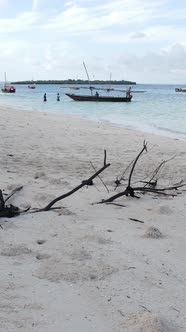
96, 270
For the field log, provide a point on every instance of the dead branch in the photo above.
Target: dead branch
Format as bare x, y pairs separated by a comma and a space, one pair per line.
174, 187
137, 220
160, 191
118, 180
83, 183
99, 177
131, 192
2, 202
12, 211
149, 187
134, 164
13, 192
154, 183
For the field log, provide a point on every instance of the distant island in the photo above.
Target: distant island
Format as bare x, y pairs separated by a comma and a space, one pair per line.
69, 81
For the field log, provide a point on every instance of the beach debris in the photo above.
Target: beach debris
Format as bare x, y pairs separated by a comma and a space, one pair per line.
119, 180
10, 210
100, 177
145, 308
153, 184
149, 186
87, 183
153, 179
83, 183
137, 220
15, 190
41, 241
121, 313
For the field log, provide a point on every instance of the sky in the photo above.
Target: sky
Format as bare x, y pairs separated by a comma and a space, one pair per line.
138, 40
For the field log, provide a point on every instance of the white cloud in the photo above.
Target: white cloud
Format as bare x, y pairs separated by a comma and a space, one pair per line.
21, 22
164, 63
139, 39
170, 33
119, 13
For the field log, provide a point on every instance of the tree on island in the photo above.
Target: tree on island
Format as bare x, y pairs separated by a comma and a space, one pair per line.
73, 81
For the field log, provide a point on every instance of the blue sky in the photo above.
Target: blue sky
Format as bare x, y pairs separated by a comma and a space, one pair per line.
140, 40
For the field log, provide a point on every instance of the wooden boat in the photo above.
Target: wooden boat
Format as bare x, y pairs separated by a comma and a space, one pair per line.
8, 88
180, 89
98, 98
32, 86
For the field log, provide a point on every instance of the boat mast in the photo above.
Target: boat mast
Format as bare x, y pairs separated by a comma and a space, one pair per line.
5, 78
110, 80
87, 76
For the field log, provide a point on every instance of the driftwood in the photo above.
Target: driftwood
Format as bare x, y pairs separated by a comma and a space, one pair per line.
119, 180
149, 186
83, 183
137, 220
99, 177
153, 178
12, 211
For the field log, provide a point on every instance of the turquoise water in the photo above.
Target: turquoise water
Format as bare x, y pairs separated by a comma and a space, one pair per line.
159, 110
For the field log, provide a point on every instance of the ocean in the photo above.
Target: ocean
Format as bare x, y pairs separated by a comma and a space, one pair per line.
158, 110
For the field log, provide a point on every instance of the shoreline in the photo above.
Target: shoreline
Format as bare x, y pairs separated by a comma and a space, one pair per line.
165, 134
160, 110
96, 270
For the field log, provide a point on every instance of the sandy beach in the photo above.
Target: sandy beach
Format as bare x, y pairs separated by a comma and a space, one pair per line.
89, 267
